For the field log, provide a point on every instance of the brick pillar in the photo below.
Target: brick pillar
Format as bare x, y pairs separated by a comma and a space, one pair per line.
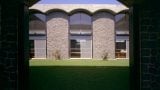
13, 71
57, 35
103, 35
149, 46
134, 46
0, 34
145, 46
9, 44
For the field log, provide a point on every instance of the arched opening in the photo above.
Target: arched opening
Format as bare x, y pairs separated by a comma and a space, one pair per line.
80, 35
37, 35
122, 36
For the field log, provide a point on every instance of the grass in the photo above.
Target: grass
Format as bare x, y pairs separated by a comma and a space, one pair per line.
79, 63
79, 75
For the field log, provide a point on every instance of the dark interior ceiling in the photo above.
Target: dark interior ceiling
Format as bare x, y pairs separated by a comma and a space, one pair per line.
126, 2
31, 2
129, 3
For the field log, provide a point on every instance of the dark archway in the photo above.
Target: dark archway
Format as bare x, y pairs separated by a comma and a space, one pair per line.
145, 53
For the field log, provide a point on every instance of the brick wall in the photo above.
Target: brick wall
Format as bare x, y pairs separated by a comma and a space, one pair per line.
0, 31
57, 35
150, 47
9, 45
1, 63
13, 70
103, 35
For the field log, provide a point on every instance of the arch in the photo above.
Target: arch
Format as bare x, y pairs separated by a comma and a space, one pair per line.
105, 10
80, 10
37, 21
80, 30
55, 10
80, 19
56, 13
37, 34
103, 14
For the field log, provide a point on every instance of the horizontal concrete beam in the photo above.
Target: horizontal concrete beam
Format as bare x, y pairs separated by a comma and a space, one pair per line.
69, 8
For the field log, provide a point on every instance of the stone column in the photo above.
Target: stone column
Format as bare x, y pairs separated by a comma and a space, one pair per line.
57, 35
103, 35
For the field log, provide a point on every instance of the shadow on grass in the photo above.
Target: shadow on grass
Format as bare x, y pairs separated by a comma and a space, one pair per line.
79, 78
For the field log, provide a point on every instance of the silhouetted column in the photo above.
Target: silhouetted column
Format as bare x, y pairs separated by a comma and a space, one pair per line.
13, 43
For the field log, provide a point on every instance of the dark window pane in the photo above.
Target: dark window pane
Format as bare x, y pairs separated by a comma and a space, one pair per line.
120, 45
121, 49
80, 23
75, 48
37, 24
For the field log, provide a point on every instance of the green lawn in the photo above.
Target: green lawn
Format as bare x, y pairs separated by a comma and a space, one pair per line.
79, 75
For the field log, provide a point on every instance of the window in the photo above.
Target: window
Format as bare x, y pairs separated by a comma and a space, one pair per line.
122, 35
37, 36
121, 49
80, 36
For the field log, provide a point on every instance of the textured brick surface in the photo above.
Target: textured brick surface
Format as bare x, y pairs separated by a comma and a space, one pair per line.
103, 35
0, 33
8, 46
57, 35
149, 21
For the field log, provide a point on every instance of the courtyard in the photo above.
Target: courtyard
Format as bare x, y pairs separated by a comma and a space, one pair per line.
79, 75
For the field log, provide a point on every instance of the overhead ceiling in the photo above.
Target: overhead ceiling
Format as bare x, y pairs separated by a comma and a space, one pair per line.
129, 3
31, 2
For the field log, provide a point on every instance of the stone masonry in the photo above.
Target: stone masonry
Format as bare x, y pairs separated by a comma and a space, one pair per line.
57, 35
103, 35
9, 46
149, 46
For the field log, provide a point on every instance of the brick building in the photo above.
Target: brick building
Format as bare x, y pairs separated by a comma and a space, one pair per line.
88, 31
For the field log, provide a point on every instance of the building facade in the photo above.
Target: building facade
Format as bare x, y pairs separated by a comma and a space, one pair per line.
86, 31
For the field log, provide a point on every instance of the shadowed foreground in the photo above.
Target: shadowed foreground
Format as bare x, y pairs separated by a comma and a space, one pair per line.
79, 78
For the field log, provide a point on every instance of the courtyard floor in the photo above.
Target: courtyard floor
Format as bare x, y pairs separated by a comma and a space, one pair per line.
79, 75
